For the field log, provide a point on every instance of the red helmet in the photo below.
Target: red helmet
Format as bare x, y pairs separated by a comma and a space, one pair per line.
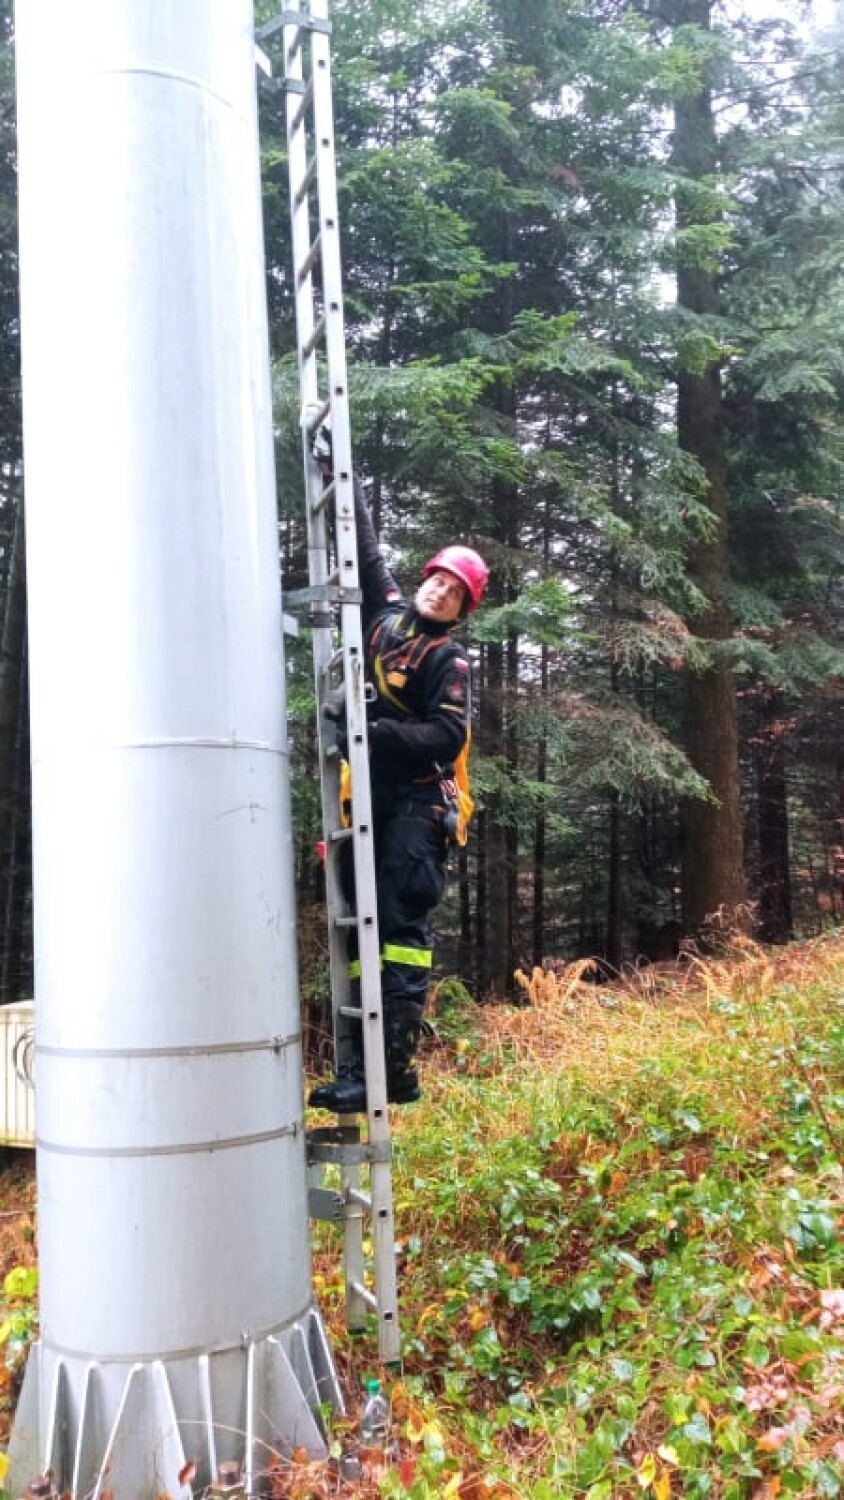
466, 565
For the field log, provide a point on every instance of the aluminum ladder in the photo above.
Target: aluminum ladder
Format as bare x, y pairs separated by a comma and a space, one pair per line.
332, 604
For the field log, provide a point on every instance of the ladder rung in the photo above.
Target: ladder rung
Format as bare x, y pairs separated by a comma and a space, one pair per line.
360, 1200
296, 42
305, 103
345, 921
317, 415
351, 1010
315, 338
307, 183
339, 835
365, 1295
310, 260
263, 33
325, 499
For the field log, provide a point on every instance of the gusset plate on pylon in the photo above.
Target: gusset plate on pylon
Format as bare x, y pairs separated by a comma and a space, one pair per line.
277, 1389
24, 1454
134, 1429
145, 1454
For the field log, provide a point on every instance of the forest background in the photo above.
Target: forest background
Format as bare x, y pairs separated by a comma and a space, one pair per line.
595, 311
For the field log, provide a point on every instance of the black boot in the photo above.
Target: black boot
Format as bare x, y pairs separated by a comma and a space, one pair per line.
346, 1095
402, 1028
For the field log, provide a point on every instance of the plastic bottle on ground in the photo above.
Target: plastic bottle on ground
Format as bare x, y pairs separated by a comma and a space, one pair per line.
375, 1430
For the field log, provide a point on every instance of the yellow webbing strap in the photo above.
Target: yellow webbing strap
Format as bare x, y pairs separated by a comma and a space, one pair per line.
465, 801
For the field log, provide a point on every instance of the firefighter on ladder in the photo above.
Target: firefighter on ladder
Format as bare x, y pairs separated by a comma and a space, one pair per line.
418, 724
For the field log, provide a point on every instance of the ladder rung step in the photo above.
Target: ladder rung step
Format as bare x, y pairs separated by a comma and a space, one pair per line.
304, 105
365, 1295
310, 260
339, 835
351, 1010
345, 922
360, 1200
305, 24
307, 182
325, 499
296, 43
269, 28
317, 415
315, 338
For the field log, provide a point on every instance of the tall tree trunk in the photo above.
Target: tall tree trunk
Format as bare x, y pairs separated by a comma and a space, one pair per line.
775, 918
15, 875
540, 826
464, 940
495, 949
479, 975
713, 853
16, 965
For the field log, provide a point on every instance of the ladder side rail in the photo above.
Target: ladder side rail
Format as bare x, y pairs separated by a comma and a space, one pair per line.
382, 1227
317, 537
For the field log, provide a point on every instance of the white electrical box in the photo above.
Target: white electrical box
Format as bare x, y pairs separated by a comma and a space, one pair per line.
17, 1055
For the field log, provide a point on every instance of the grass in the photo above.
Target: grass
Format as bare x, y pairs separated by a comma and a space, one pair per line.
619, 1212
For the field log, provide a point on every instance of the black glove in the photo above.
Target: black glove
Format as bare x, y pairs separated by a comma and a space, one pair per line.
335, 734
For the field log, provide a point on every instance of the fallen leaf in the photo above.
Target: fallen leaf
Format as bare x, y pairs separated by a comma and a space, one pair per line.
406, 1469
773, 1440
662, 1485
646, 1472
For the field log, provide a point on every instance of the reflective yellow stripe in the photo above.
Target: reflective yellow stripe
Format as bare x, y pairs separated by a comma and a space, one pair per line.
418, 958
392, 953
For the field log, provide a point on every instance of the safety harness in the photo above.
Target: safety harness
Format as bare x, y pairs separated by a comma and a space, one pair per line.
395, 657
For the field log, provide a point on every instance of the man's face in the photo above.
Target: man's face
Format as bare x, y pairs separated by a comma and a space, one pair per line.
440, 597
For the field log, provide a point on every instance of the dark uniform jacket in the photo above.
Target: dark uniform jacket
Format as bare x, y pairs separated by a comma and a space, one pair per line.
419, 720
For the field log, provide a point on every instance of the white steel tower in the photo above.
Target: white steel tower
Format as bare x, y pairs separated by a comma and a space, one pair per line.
178, 1331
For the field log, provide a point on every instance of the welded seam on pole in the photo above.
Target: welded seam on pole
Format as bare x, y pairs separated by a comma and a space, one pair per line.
190, 743
200, 84
188, 1148
212, 1049
248, 1339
